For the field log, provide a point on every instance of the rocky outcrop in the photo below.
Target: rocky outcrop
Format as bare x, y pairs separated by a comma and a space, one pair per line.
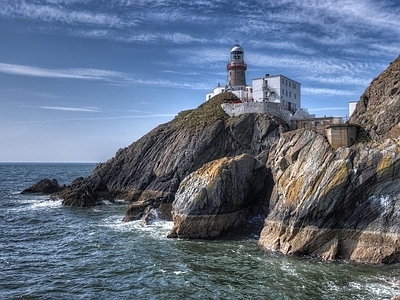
149, 171
378, 110
44, 186
218, 197
83, 192
334, 204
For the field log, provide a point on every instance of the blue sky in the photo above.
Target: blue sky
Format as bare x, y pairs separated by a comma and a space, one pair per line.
80, 79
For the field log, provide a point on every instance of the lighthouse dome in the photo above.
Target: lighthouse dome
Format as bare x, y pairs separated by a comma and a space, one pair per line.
237, 53
237, 48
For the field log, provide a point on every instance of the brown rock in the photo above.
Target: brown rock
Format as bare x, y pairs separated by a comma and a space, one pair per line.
218, 197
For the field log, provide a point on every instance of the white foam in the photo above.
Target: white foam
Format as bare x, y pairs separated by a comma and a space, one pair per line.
47, 204
158, 228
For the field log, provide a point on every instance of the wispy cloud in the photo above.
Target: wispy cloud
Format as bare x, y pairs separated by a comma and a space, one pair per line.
328, 92
57, 13
328, 108
98, 119
87, 74
77, 109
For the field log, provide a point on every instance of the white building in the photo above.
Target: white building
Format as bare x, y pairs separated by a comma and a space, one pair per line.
276, 89
279, 89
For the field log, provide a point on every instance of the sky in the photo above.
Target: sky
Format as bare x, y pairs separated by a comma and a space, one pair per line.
80, 79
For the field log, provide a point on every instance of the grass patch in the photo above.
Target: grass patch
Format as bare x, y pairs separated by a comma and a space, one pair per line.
205, 114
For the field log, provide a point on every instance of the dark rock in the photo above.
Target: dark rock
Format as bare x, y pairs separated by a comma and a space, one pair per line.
84, 192
45, 186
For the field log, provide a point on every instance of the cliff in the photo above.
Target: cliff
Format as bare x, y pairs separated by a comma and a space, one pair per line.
148, 172
378, 110
334, 204
344, 203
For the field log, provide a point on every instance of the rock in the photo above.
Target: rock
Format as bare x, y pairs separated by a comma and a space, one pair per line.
152, 168
84, 192
218, 197
334, 204
45, 186
378, 110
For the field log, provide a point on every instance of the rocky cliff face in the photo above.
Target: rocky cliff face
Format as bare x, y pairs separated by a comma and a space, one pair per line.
344, 203
148, 172
334, 204
378, 110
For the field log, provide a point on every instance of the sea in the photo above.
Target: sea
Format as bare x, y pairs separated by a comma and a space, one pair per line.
48, 251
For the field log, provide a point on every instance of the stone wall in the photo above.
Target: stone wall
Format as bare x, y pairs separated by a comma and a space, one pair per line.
271, 108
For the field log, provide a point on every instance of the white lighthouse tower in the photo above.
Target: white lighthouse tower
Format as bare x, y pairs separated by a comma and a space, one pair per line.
236, 68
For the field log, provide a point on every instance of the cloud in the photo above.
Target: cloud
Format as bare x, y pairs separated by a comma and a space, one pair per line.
79, 109
97, 119
328, 92
327, 108
86, 74
58, 13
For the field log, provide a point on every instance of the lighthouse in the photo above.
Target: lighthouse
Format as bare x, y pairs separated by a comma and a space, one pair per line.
236, 67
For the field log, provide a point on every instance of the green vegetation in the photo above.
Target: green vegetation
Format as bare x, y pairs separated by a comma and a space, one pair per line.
205, 114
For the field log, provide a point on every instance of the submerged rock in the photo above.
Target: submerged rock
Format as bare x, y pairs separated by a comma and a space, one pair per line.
44, 186
218, 197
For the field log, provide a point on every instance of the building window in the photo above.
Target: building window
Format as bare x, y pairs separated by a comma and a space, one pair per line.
290, 94
286, 81
293, 85
286, 93
283, 92
295, 96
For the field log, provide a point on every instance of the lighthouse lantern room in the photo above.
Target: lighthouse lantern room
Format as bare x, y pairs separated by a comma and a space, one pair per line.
236, 67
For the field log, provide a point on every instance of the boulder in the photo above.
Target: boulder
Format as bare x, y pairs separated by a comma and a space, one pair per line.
44, 186
218, 197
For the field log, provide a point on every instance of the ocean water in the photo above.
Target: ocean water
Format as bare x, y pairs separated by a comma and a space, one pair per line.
48, 251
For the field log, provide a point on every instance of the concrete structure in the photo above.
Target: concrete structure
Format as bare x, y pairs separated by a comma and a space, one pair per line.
275, 109
318, 124
343, 135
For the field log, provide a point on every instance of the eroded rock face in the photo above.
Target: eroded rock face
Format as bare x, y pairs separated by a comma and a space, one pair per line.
378, 110
334, 204
218, 197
